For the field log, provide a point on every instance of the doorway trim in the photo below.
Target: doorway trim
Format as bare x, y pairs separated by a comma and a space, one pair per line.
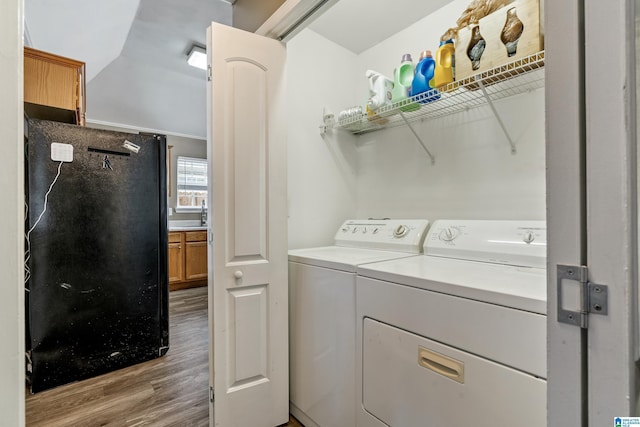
12, 365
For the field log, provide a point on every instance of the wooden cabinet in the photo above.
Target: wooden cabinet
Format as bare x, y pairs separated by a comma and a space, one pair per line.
195, 255
188, 264
54, 87
176, 257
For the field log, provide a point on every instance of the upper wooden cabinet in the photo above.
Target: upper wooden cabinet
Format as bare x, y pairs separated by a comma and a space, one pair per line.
54, 87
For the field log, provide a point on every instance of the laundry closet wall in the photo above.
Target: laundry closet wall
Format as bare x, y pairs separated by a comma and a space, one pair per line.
475, 175
322, 168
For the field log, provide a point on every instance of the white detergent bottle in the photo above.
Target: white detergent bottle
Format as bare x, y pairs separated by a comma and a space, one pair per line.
380, 88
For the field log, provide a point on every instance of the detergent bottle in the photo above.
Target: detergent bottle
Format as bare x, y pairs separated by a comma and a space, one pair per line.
423, 79
380, 88
445, 64
402, 79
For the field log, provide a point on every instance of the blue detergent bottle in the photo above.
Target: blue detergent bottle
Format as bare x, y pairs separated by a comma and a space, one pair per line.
422, 82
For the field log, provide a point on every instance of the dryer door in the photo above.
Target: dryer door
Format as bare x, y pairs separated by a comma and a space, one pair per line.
409, 380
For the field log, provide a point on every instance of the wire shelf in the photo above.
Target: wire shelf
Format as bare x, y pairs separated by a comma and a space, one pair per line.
516, 77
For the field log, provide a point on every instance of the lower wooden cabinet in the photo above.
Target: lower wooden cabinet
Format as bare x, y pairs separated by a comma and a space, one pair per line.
187, 259
176, 257
195, 256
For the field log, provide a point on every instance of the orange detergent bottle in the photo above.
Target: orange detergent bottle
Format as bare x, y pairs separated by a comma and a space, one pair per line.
445, 64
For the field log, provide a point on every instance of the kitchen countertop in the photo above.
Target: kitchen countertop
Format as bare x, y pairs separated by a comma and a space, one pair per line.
186, 225
188, 228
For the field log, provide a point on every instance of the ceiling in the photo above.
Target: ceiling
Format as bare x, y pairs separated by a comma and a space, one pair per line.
360, 24
135, 50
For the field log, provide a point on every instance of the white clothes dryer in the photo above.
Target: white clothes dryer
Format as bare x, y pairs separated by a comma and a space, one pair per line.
457, 336
322, 315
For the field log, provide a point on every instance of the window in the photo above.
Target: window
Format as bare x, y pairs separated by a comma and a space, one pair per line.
192, 183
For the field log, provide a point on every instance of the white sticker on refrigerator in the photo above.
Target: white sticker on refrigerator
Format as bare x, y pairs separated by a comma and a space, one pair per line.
131, 146
61, 152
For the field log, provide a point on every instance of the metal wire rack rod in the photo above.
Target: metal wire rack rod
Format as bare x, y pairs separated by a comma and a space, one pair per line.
495, 113
433, 159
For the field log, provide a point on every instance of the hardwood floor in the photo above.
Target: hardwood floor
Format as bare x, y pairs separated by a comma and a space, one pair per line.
293, 422
168, 391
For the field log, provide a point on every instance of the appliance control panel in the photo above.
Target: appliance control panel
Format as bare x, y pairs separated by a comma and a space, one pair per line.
518, 243
401, 235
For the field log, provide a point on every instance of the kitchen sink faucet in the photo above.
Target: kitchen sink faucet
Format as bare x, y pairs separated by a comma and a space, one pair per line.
203, 214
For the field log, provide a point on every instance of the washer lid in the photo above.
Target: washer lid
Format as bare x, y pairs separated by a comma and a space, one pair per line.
522, 243
342, 258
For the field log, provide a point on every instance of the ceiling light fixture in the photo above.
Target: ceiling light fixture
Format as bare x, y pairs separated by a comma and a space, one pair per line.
197, 57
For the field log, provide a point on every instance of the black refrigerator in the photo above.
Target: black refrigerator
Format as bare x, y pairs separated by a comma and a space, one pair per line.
96, 251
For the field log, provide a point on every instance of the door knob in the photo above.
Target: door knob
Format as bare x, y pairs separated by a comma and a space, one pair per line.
238, 274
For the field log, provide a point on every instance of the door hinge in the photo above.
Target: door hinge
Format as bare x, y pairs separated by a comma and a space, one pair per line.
212, 394
593, 297
209, 74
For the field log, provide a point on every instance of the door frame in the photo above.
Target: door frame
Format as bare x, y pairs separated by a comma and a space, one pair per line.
566, 222
592, 206
612, 195
12, 389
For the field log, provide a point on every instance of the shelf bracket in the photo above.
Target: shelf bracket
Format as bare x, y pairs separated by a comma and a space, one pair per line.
495, 113
433, 159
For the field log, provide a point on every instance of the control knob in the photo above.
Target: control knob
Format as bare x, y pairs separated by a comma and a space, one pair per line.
400, 231
448, 234
528, 237
345, 229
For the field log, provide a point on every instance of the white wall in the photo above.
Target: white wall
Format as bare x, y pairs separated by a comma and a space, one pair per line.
109, 97
249, 15
188, 147
475, 176
11, 216
321, 169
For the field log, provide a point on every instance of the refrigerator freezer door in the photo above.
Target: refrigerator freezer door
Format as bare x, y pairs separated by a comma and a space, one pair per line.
98, 287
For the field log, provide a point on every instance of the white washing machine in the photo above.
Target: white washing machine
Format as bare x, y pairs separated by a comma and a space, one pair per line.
322, 315
456, 337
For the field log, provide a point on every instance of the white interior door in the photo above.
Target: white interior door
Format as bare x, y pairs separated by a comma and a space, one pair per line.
249, 291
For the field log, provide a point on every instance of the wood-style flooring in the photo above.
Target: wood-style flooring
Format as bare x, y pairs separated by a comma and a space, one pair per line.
169, 391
